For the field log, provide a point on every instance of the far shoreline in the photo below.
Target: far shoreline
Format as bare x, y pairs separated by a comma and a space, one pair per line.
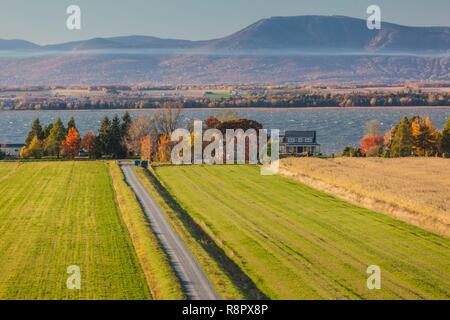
241, 109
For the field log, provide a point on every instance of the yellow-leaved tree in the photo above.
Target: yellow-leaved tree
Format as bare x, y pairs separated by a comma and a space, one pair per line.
147, 148
425, 137
33, 150
164, 148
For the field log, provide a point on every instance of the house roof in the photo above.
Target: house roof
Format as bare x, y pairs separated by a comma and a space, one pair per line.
300, 134
12, 145
301, 138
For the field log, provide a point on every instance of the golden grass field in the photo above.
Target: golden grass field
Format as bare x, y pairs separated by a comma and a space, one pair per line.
415, 190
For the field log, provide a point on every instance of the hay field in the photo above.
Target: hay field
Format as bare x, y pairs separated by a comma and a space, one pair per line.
415, 190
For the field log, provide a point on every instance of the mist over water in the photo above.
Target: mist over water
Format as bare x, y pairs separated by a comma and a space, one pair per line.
336, 128
23, 54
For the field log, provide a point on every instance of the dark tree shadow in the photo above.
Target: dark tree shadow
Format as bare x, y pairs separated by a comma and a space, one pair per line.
234, 272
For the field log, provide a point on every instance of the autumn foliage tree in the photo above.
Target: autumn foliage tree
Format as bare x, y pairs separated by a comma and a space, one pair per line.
89, 144
33, 150
71, 146
244, 124
444, 144
212, 122
137, 130
71, 124
425, 136
164, 148
372, 143
147, 148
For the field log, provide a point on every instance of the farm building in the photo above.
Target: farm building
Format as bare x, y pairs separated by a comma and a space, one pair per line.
299, 143
10, 150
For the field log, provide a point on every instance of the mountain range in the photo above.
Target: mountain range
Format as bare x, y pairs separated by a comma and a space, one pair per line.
277, 49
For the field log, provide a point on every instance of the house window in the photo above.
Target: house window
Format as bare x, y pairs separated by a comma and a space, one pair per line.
309, 140
291, 140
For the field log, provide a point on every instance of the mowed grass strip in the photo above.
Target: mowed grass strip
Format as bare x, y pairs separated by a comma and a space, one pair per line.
57, 214
7, 169
200, 245
161, 279
295, 242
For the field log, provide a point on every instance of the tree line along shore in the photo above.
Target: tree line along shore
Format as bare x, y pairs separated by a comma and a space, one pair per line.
149, 137
263, 99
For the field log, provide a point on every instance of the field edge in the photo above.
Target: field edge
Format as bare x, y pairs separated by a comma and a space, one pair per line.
159, 274
204, 249
399, 212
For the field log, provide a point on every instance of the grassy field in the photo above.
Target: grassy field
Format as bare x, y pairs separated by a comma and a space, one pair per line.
7, 169
294, 242
217, 95
415, 190
57, 214
226, 277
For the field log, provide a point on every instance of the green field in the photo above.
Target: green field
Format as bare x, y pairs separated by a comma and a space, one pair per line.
57, 214
294, 242
217, 95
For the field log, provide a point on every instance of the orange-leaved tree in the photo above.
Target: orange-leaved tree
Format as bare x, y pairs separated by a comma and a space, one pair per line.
147, 148
89, 144
71, 146
371, 144
164, 148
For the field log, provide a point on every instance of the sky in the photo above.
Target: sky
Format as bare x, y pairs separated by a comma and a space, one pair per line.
44, 21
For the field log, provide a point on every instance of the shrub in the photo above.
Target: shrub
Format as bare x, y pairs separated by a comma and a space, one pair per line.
372, 146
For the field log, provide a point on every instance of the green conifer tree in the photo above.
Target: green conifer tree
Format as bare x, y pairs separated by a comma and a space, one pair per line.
116, 149
126, 123
402, 141
444, 146
103, 139
36, 131
57, 135
71, 124
46, 131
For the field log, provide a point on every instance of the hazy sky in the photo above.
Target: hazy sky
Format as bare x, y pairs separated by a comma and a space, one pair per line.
43, 21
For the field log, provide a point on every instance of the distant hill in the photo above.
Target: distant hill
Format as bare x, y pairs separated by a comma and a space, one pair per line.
323, 33
277, 49
125, 42
17, 45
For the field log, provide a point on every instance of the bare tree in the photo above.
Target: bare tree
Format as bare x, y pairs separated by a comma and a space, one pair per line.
139, 128
166, 120
372, 128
